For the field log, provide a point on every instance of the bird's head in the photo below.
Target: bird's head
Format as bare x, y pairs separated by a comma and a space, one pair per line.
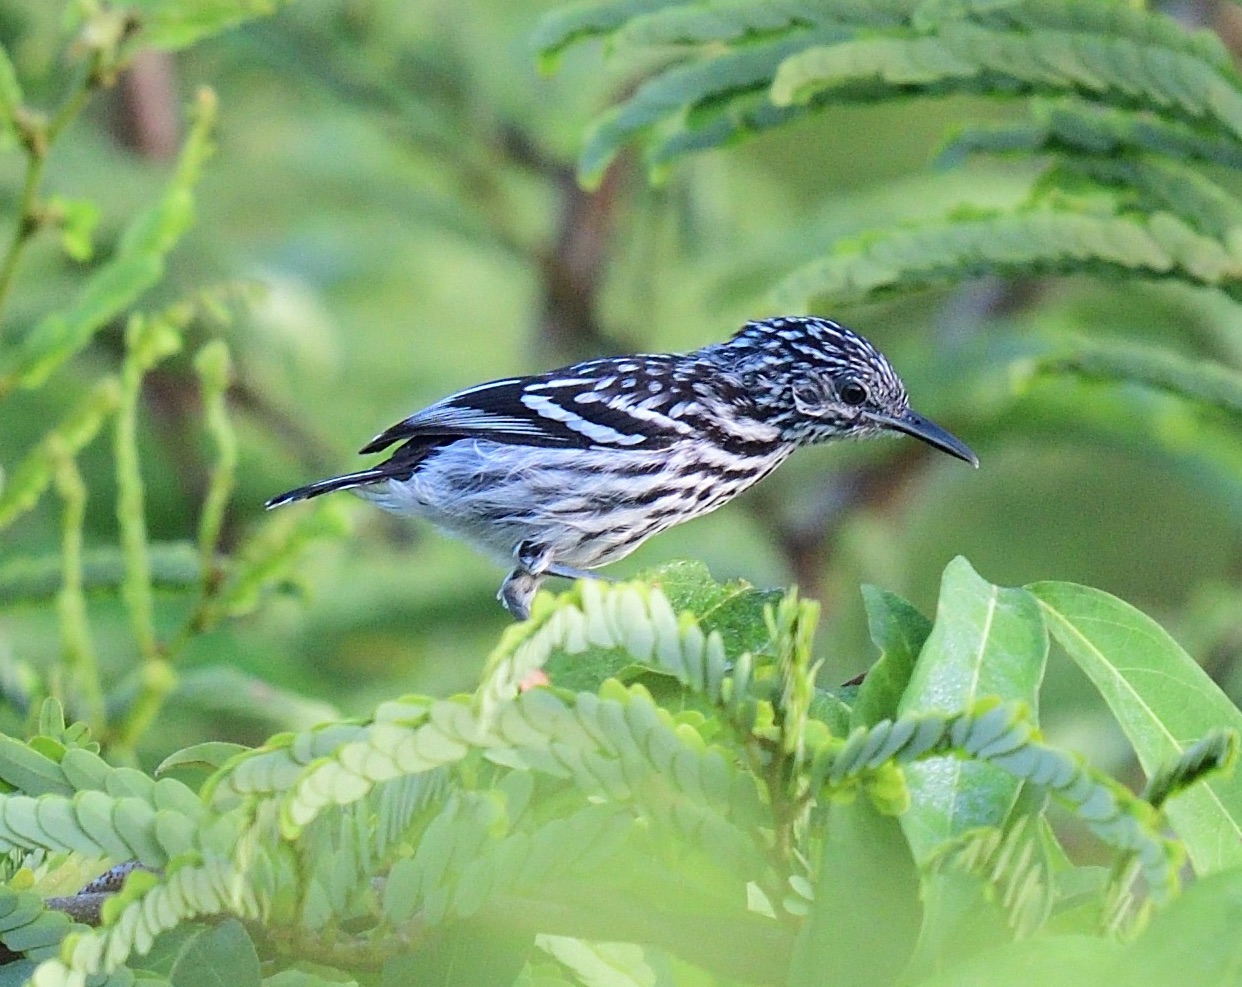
818, 381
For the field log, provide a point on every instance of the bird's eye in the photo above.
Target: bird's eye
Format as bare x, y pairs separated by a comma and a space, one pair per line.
852, 392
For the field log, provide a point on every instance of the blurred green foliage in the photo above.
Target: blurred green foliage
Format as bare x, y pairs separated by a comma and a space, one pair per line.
392, 215
242, 236
695, 810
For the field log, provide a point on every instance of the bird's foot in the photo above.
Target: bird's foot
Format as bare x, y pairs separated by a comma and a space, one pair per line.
533, 564
517, 592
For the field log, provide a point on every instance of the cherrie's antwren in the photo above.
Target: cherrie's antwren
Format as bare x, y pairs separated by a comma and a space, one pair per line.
571, 469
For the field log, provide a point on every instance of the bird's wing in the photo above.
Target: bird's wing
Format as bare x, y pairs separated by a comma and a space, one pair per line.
645, 402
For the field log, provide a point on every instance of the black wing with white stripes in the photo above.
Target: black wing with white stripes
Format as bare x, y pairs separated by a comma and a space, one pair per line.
645, 402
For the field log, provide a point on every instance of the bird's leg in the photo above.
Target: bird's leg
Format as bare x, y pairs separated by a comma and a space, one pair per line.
534, 562
567, 572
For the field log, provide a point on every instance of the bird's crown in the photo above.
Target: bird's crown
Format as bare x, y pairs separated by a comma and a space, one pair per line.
812, 377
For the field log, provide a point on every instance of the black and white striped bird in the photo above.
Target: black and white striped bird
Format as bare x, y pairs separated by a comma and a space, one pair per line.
572, 469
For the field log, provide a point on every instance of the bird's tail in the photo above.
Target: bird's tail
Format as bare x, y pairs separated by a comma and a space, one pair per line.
346, 482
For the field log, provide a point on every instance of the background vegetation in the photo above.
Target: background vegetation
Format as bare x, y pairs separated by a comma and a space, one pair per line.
210, 295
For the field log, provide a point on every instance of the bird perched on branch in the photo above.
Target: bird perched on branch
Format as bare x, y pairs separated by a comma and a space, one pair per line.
572, 469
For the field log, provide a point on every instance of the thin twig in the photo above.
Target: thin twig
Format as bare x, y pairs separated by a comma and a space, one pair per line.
37, 138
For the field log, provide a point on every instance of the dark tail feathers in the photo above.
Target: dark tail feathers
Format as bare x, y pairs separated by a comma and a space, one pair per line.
346, 482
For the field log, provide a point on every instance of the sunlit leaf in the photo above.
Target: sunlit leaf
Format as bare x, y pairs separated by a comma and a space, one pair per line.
899, 631
221, 956
986, 641
1162, 700
866, 912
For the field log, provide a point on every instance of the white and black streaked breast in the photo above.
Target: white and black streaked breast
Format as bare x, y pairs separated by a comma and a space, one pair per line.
588, 461
589, 506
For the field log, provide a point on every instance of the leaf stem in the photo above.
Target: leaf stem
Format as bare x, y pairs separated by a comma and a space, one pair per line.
80, 660
38, 136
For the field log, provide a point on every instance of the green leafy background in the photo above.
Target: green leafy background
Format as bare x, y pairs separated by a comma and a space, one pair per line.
397, 179
248, 235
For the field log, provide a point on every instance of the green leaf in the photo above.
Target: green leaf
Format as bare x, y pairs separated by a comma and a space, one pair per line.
28, 482
10, 97
736, 71
604, 964
138, 264
986, 641
733, 609
30, 772
562, 28
300, 977
1165, 71
1051, 239
174, 24
1041, 961
1162, 700
1201, 381
211, 755
222, 956
866, 913
737, 21
899, 631
465, 954
962, 916
1193, 942
77, 220
1114, 18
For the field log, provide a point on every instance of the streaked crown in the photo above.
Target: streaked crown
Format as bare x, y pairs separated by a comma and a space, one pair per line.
813, 378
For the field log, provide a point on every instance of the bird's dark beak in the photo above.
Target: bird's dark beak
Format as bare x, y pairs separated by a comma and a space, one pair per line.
927, 430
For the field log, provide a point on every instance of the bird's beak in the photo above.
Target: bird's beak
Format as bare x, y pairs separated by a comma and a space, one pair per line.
927, 430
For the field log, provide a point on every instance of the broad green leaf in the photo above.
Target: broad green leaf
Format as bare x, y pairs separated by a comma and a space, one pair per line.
603, 964
1194, 942
986, 641
961, 917
221, 956
733, 609
866, 912
464, 954
299, 977
899, 631
1162, 700
1083, 961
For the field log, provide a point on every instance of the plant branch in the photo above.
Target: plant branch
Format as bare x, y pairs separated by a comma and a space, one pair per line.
79, 652
37, 136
